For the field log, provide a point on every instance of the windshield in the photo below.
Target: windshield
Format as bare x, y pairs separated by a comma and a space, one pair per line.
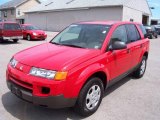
32, 28
82, 36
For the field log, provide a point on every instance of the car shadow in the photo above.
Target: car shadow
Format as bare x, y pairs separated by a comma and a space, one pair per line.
26, 111
117, 85
8, 42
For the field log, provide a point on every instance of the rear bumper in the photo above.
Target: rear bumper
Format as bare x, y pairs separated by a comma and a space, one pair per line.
49, 101
13, 37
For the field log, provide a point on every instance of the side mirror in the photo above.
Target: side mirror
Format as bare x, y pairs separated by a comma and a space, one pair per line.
118, 45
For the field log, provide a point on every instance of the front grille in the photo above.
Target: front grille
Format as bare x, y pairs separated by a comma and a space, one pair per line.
23, 84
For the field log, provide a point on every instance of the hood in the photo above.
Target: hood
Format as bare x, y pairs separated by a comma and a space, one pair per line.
55, 57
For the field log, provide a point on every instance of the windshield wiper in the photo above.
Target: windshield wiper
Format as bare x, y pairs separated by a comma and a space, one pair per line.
70, 45
55, 43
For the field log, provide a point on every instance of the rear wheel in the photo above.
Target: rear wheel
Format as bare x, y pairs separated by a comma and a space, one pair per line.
90, 97
141, 69
15, 40
151, 37
28, 37
156, 36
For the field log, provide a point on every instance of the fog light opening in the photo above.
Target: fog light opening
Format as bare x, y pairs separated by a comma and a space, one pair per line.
45, 90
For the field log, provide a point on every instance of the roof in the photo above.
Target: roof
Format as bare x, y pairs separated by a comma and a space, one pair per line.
54, 5
13, 4
99, 22
107, 22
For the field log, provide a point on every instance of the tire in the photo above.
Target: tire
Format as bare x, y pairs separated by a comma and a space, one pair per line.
29, 37
151, 37
156, 36
90, 97
15, 40
141, 69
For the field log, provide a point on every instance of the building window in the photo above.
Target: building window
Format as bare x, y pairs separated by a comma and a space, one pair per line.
5, 13
19, 13
12, 12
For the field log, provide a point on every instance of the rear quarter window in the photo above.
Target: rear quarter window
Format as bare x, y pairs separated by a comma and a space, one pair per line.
0, 26
12, 26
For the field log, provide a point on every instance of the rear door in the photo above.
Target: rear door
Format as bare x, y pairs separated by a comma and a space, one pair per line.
12, 30
24, 31
1, 31
134, 43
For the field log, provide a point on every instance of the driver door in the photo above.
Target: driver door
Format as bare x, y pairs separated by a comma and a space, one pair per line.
120, 60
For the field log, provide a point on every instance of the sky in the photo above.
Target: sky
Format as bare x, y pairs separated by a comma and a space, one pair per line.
152, 3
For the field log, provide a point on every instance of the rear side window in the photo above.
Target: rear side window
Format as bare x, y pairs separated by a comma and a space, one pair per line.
143, 29
119, 34
0, 26
11, 26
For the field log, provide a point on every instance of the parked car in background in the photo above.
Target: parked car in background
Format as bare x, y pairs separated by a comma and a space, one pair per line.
157, 27
31, 32
76, 67
10, 31
151, 32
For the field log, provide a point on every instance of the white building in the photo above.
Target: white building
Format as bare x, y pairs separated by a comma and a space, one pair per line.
55, 15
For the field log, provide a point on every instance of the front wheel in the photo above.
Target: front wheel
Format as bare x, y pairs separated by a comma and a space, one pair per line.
90, 97
141, 69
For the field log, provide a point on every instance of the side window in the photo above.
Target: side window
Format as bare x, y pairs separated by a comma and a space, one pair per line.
133, 33
143, 29
0, 26
12, 27
119, 34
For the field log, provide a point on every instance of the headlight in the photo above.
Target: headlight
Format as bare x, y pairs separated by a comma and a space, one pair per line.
13, 62
49, 74
34, 33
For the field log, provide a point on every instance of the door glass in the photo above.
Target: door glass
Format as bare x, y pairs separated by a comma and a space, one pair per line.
119, 34
133, 34
12, 27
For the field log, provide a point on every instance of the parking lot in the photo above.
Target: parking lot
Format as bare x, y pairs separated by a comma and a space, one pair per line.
129, 99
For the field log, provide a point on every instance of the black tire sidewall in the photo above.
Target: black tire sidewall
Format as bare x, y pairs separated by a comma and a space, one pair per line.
83, 110
15, 40
137, 73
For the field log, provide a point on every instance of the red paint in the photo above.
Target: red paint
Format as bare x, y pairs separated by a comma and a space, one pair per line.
78, 62
9, 32
41, 35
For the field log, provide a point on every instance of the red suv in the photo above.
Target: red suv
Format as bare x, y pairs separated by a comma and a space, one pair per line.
10, 31
76, 67
31, 32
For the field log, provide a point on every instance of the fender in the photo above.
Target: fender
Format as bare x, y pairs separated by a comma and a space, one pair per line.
145, 49
85, 75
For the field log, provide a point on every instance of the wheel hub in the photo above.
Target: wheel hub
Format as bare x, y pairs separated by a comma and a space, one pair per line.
93, 97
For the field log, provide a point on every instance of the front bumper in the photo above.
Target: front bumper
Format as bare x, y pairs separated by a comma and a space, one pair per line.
39, 37
49, 101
